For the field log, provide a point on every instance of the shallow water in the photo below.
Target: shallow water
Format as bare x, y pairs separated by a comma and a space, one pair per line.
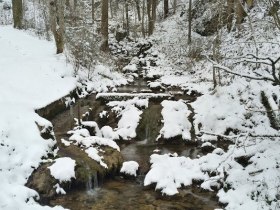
121, 193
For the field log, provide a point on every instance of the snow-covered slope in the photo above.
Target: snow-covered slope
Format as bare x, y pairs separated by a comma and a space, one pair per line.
31, 76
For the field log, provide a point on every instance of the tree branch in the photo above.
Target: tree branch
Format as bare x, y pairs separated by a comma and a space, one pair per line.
228, 70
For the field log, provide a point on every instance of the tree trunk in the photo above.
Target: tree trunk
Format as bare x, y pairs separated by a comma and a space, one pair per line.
190, 23
154, 15
92, 11
143, 19
240, 12
127, 17
57, 23
150, 27
174, 6
17, 13
111, 9
104, 26
230, 14
138, 9
250, 3
166, 9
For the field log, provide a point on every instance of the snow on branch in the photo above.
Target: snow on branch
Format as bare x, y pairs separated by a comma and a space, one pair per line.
228, 70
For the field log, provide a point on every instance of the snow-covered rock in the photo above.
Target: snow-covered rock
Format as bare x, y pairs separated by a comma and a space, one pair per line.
175, 120
63, 169
130, 168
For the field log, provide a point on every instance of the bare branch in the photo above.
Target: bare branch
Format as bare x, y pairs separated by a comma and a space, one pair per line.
228, 70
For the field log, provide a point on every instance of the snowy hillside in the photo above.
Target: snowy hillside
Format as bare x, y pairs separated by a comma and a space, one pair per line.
181, 118
31, 77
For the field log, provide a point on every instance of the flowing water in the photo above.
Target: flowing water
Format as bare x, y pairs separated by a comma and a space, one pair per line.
120, 193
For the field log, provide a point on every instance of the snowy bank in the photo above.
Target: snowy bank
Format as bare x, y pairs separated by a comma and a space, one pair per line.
31, 77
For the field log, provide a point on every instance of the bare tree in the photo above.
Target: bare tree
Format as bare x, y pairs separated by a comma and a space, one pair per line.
174, 6
143, 19
230, 14
57, 23
137, 2
17, 13
190, 23
150, 21
104, 26
92, 10
166, 8
127, 17
273, 11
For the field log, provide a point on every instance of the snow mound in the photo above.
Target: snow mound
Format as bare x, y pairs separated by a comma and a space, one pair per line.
89, 141
93, 153
171, 172
130, 168
109, 133
63, 169
175, 120
129, 114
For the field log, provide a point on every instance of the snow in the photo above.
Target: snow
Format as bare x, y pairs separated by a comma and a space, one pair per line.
93, 153
59, 190
109, 133
171, 172
175, 120
130, 68
65, 142
31, 77
129, 114
92, 124
122, 96
63, 169
78, 138
130, 168
234, 105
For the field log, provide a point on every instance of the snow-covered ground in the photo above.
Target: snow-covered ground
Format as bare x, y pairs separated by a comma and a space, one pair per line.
234, 108
31, 77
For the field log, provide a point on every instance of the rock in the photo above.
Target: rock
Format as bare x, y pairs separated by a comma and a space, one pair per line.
92, 127
46, 131
86, 168
120, 35
42, 181
7, 6
207, 147
130, 168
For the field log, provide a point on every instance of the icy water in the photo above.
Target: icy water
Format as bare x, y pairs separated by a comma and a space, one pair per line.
120, 193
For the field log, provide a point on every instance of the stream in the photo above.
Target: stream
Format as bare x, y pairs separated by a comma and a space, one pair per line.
118, 192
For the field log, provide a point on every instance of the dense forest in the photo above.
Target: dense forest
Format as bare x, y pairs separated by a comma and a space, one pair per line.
140, 104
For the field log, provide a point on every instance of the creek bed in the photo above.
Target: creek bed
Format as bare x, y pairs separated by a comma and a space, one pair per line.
120, 193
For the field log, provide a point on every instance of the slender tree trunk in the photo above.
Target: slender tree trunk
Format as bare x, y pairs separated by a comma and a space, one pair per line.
17, 13
138, 9
230, 14
174, 6
104, 26
92, 11
57, 23
190, 23
154, 14
111, 9
127, 17
166, 8
250, 3
240, 12
151, 11
143, 19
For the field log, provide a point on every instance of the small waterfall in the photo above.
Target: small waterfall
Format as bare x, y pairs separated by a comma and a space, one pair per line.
92, 184
95, 180
147, 133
